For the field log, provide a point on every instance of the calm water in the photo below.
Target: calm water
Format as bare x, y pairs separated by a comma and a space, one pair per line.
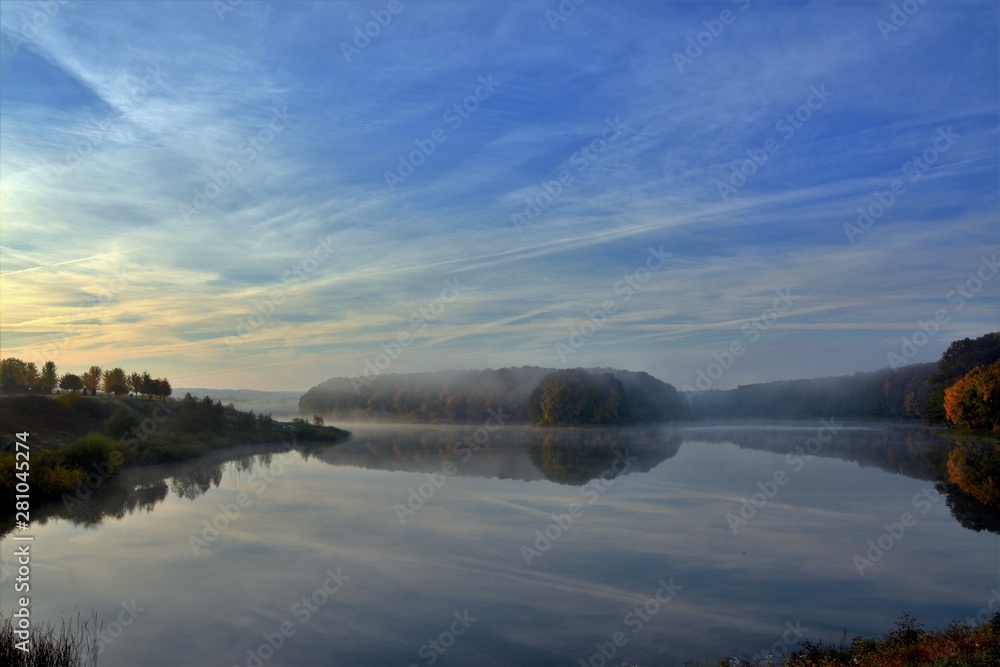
406, 547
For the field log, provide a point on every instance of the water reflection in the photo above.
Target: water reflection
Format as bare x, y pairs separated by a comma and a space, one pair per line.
565, 456
665, 518
140, 489
910, 451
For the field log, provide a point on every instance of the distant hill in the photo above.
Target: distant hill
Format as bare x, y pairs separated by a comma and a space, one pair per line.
908, 392
280, 404
469, 396
882, 394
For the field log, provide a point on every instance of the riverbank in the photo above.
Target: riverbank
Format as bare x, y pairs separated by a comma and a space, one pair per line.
958, 645
71, 437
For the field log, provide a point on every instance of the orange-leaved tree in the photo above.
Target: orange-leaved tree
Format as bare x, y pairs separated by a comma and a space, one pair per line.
974, 400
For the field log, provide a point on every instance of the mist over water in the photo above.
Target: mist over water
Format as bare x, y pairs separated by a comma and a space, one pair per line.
539, 545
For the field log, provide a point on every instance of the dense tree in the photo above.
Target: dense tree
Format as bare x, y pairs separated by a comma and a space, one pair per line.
204, 415
576, 397
974, 399
115, 382
48, 378
32, 378
162, 387
882, 394
92, 379
471, 396
71, 382
134, 381
12, 374
960, 358
148, 385
122, 423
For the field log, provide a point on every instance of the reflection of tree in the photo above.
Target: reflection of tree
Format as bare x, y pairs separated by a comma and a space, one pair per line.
565, 456
577, 457
975, 469
969, 512
196, 483
140, 489
912, 452
115, 499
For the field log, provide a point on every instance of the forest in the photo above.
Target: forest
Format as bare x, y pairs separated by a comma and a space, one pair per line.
909, 392
573, 397
958, 389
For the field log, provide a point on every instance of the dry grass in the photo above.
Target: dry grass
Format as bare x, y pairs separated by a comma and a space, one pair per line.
74, 644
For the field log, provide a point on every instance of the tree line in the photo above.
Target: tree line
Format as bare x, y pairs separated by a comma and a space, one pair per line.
909, 392
17, 376
470, 396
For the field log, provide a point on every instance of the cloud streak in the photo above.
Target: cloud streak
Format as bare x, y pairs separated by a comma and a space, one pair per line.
119, 211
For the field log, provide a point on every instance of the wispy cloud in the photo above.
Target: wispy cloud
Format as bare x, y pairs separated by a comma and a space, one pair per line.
102, 162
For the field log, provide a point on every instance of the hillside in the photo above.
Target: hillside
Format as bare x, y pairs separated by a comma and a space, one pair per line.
70, 434
469, 396
882, 394
908, 392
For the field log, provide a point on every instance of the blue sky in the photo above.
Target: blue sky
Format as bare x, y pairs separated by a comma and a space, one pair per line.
214, 191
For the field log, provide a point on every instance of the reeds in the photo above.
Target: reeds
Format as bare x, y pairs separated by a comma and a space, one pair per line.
74, 644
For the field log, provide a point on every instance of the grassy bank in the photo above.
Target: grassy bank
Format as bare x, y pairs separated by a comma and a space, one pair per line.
74, 644
908, 645
73, 437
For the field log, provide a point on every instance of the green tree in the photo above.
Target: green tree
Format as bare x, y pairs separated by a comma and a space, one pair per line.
162, 387
12, 372
122, 422
115, 382
71, 382
32, 379
134, 382
49, 378
576, 397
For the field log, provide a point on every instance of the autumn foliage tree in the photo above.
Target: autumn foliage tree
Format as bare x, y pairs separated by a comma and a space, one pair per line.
115, 382
49, 378
974, 400
92, 379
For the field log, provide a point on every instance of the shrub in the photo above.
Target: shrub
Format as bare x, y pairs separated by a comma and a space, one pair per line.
68, 400
91, 450
122, 423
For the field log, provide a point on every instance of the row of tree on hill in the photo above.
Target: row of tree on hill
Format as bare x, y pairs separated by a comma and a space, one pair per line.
961, 388
470, 396
909, 392
17, 376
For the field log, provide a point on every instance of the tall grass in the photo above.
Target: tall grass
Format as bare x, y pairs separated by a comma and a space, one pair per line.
957, 645
74, 644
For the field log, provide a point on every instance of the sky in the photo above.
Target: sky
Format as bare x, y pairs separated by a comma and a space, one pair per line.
264, 195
